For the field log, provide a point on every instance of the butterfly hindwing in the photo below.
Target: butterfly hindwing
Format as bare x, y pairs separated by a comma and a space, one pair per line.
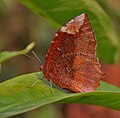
71, 61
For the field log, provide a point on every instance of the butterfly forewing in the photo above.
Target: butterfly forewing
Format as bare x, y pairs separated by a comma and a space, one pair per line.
71, 62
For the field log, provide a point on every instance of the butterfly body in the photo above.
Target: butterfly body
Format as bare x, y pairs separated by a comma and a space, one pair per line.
71, 61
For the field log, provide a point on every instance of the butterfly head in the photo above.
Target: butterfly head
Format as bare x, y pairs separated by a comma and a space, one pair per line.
41, 67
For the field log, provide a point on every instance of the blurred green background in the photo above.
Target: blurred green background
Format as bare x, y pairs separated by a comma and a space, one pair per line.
18, 27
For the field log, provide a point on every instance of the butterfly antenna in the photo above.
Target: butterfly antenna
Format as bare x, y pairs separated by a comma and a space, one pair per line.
32, 58
39, 68
40, 63
37, 57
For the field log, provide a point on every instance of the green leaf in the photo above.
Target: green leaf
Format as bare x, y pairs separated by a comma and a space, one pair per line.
60, 12
17, 95
5, 55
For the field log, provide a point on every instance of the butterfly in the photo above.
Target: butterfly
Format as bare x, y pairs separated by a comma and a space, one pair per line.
71, 61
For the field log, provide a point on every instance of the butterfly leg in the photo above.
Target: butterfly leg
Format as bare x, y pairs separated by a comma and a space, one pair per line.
34, 83
51, 87
38, 78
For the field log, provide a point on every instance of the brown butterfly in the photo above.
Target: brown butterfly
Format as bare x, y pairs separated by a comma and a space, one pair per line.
71, 61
